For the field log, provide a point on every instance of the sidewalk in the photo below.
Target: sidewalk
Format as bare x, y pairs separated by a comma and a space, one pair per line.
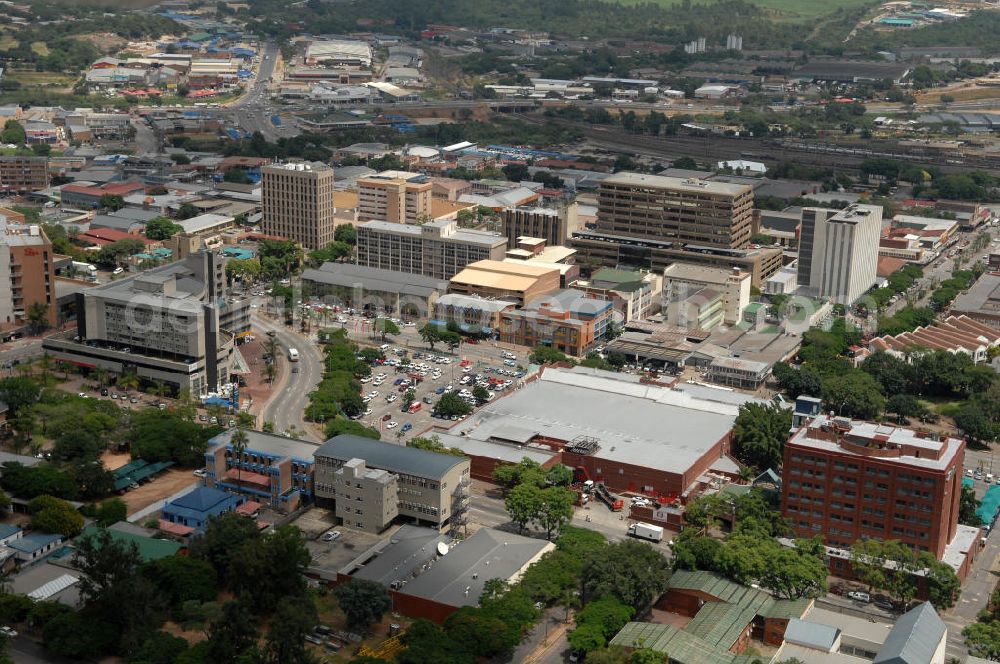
546, 642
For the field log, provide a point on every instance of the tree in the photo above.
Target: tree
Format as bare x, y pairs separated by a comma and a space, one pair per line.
431, 334
972, 421
232, 634
632, 571
111, 202
162, 228
853, 394
526, 471
451, 404
291, 622
13, 132
110, 512
38, 317
759, 434
408, 398
983, 639
160, 648
18, 392
474, 631
524, 503
54, 515
904, 406
943, 585
480, 394
555, 510
187, 210
547, 354
346, 233
181, 579
598, 622
386, 327
363, 602
559, 475
967, 506
693, 551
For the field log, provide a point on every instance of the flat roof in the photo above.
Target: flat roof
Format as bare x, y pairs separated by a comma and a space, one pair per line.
374, 279
459, 235
511, 453
636, 423
387, 456
982, 296
689, 185
270, 443
473, 302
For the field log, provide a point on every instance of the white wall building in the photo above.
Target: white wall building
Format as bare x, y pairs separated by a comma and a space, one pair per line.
838, 251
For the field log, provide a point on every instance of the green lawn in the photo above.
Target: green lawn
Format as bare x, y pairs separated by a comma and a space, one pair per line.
789, 9
40, 47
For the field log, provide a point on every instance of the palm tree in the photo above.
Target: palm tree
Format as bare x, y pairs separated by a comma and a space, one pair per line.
158, 389
102, 377
239, 442
128, 381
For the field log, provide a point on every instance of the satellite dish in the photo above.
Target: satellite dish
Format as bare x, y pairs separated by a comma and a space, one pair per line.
442, 548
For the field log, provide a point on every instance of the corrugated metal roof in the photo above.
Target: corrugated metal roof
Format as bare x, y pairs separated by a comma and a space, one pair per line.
53, 587
811, 635
914, 638
721, 623
682, 647
386, 456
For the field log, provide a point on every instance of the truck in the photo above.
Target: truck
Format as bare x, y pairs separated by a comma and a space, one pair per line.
646, 531
88, 271
614, 503
293, 355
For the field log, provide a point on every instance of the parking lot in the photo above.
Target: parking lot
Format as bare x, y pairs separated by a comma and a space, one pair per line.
436, 373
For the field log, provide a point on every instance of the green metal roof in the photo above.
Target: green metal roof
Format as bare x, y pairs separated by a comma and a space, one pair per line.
682, 646
721, 623
786, 608
150, 549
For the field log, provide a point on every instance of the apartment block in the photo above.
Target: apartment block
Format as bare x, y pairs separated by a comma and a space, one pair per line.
21, 174
650, 221
569, 321
838, 251
437, 249
849, 480
174, 324
366, 498
297, 201
682, 281
396, 196
554, 225
432, 488
27, 275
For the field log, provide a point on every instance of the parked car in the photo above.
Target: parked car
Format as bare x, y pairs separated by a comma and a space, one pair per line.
859, 596
331, 535
9, 632
201, 472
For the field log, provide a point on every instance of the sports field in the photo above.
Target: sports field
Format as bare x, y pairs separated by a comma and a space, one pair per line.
787, 9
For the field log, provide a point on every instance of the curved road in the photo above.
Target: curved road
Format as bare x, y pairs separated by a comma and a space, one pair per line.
291, 395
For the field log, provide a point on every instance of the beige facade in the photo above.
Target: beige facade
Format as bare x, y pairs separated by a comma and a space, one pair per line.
555, 226
437, 249
26, 260
23, 173
395, 196
516, 281
367, 499
683, 210
683, 280
297, 201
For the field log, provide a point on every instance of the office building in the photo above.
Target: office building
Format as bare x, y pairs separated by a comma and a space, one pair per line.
433, 488
838, 251
437, 249
22, 174
569, 321
515, 281
396, 196
173, 324
366, 498
273, 470
27, 275
650, 221
689, 211
473, 314
554, 225
297, 201
851, 480
682, 282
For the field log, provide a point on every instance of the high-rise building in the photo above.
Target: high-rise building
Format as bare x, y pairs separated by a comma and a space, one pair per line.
297, 200
19, 174
838, 251
27, 274
438, 249
554, 225
849, 480
173, 324
650, 221
395, 196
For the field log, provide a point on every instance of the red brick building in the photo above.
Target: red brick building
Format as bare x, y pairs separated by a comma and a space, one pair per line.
849, 480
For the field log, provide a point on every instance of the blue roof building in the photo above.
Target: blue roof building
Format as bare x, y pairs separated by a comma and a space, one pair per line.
193, 510
34, 546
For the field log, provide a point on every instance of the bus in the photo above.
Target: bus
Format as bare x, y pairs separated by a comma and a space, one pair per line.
293, 355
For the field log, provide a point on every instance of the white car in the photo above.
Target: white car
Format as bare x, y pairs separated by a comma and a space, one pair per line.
392, 424
82, 395
367, 412
201, 472
373, 394
9, 632
390, 398
331, 535
380, 376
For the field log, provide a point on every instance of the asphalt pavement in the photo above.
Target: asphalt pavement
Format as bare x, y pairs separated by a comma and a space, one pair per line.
291, 395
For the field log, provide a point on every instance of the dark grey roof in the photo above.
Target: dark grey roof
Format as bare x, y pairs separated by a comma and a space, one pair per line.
457, 578
375, 279
116, 223
386, 456
398, 558
136, 214
914, 638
